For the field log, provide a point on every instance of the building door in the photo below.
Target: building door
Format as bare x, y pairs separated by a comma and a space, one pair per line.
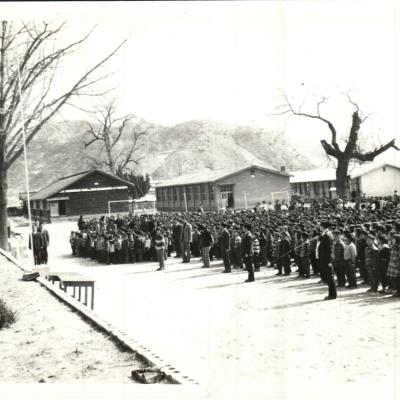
61, 207
54, 212
227, 198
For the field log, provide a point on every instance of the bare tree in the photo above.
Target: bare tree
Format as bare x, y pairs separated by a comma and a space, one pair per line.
352, 150
108, 131
29, 56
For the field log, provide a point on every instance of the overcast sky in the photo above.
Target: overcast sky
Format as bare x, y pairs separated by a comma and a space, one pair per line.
230, 60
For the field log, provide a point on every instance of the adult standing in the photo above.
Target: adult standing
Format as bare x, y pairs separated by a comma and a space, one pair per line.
225, 244
248, 252
45, 243
36, 245
186, 239
350, 257
176, 237
394, 264
159, 244
325, 259
207, 241
284, 255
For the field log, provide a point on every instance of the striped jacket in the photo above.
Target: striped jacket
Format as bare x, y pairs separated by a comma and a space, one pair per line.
256, 246
159, 242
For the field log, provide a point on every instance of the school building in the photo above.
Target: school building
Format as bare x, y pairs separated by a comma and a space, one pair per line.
371, 179
91, 192
239, 188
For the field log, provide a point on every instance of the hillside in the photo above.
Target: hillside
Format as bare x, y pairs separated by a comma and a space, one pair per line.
167, 152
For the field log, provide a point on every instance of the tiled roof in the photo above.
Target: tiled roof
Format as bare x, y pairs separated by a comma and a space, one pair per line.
366, 168
213, 176
313, 175
62, 183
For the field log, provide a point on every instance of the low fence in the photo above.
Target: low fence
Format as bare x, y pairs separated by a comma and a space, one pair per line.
18, 249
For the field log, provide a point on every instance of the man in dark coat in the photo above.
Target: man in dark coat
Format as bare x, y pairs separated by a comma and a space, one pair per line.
325, 259
225, 244
247, 246
186, 239
45, 243
37, 240
176, 237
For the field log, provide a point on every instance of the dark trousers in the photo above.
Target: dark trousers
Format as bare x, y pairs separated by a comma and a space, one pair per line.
177, 246
37, 254
237, 251
382, 270
340, 273
305, 266
161, 258
256, 261
139, 255
350, 272
225, 258
45, 255
396, 284
263, 256
327, 274
373, 276
285, 263
248, 262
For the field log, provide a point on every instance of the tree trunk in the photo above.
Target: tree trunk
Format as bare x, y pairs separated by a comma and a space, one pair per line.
3, 196
342, 189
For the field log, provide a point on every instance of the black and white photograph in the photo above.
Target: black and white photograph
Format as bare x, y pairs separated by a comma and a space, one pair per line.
200, 200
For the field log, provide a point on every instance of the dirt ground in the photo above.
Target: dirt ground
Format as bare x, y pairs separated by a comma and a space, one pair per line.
272, 339
51, 343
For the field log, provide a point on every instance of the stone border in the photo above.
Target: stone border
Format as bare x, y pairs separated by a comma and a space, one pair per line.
173, 375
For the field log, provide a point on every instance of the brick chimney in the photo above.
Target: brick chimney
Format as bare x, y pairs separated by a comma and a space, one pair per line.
283, 169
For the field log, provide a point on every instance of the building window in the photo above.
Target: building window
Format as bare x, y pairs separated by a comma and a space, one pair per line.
188, 193
175, 194
170, 193
307, 189
211, 191
203, 192
226, 188
158, 194
196, 192
316, 189
181, 193
384, 169
301, 188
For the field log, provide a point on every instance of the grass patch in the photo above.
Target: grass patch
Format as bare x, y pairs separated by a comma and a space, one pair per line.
7, 315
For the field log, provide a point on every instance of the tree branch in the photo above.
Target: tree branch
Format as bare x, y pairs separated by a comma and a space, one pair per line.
332, 129
370, 156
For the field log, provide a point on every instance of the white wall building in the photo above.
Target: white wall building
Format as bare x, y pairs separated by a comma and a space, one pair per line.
378, 179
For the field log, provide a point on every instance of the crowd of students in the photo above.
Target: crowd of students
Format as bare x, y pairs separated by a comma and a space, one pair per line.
345, 243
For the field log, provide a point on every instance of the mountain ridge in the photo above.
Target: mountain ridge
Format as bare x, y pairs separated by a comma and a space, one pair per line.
192, 146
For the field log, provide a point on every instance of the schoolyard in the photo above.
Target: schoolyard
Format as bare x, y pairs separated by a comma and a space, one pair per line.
274, 338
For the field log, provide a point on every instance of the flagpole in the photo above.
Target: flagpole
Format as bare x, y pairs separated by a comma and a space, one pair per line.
28, 196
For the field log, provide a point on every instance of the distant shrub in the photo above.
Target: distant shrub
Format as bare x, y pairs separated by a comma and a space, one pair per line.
7, 316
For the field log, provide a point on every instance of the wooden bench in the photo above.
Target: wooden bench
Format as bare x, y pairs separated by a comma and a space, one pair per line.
76, 281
